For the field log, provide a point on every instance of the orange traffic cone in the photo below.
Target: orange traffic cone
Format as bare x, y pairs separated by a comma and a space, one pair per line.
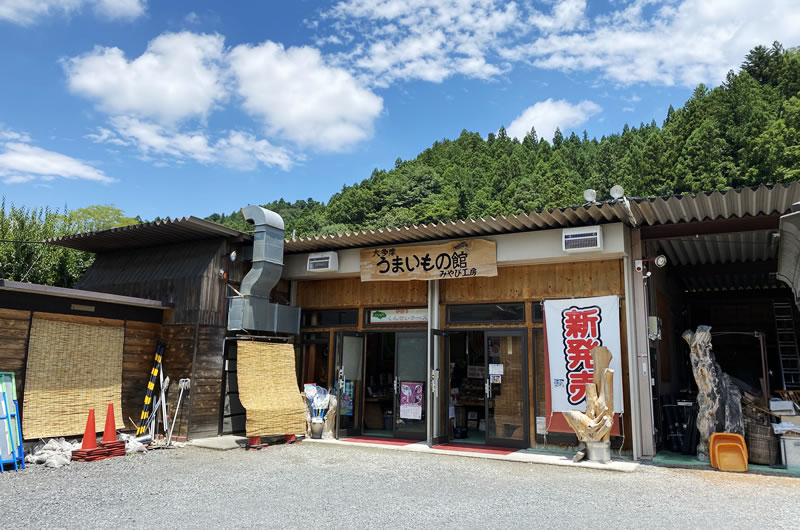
90, 436
110, 434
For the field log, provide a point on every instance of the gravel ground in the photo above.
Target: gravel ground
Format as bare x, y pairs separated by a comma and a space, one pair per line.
375, 488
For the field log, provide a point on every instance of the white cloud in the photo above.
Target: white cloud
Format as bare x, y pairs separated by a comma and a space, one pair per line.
662, 42
548, 115
567, 15
179, 76
106, 136
238, 150
302, 98
26, 12
666, 42
159, 101
429, 40
7, 135
17, 179
120, 8
22, 162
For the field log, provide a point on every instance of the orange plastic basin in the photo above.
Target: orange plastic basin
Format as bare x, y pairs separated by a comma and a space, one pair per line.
731, 457
723, 437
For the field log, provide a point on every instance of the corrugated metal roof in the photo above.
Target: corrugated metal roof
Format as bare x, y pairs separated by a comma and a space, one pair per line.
147, 235
731, 282
760, 200
737, 247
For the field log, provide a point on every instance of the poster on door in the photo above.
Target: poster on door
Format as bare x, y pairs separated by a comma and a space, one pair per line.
574, 327
346, 406
411, 400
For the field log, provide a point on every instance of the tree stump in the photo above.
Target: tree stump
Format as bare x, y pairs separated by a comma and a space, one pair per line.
595, 424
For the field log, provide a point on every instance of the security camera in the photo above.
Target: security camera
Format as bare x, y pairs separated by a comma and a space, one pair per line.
638, 265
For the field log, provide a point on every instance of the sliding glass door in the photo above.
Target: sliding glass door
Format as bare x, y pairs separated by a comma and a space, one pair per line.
506, 389
349, 384
411, 360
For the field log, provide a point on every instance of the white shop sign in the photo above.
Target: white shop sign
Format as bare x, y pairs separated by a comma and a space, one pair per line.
398, 316
574, 327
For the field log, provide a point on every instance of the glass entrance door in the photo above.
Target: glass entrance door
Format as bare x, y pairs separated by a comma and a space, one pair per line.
411, 370
506, 389
464, 388
349, 383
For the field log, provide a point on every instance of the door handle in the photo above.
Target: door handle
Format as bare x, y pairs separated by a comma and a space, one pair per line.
488, 388
395, 385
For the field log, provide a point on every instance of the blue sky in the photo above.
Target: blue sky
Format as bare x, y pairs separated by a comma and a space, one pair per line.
188, 108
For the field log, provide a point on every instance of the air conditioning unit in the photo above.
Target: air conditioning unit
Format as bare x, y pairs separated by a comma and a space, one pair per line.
323, 262
582, 239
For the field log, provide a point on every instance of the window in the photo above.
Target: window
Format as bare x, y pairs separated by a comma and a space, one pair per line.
537, 312
478, 313
330, 318
316, 359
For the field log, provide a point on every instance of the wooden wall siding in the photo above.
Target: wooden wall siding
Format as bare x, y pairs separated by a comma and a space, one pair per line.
537, 282
137, 354
352, 292
137, 361
180, 343
14, 327
207, 371
185, 274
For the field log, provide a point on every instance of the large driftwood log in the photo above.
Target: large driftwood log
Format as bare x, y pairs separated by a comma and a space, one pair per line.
708, 386
595, 424
718, 397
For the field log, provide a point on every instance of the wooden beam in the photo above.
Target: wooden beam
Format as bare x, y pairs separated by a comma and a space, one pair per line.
717, 226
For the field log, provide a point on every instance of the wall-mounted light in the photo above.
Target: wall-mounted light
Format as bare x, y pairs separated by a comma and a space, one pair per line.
616, 191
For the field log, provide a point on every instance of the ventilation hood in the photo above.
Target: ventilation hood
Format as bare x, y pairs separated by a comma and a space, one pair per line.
251, 309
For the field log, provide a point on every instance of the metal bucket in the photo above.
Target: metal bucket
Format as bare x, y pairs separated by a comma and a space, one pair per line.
317, 426
598, 451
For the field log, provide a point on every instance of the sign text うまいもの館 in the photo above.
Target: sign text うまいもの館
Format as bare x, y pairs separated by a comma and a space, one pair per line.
464, 258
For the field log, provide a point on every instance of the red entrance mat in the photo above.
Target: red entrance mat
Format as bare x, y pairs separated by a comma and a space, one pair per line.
380, 440
475, 448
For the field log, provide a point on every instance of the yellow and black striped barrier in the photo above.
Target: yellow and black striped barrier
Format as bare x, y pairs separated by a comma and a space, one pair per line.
151, 385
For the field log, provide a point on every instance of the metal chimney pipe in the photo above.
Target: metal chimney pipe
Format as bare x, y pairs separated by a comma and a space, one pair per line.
267, 251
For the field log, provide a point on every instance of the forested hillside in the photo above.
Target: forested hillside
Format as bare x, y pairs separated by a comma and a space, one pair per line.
744, 132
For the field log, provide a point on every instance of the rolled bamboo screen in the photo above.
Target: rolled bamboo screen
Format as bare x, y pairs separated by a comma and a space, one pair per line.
71, 368
268, 389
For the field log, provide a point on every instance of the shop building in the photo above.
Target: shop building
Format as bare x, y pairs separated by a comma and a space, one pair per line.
381, 336
475, 348
472, 331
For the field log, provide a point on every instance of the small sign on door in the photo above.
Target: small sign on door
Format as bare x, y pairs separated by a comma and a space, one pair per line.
495, 369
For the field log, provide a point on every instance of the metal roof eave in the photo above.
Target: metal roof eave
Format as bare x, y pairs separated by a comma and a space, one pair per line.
147, 234
648, 211
65, 292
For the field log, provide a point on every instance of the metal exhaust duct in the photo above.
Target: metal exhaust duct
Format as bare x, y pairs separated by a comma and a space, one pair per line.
251, 309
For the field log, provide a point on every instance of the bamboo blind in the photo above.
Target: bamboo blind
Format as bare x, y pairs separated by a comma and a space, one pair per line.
71, 368
268, 389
